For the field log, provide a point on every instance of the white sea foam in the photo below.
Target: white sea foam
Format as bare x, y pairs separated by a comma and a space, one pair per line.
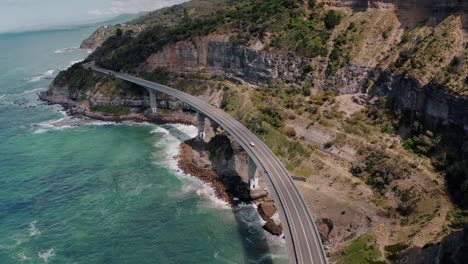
33, 230
70, 122
74, 62
170, 145
71, 49
22, 257
50, 125
45, 255
208, 192
50, 74
248, 215
160, 130
66, 122
190, 131
34, 90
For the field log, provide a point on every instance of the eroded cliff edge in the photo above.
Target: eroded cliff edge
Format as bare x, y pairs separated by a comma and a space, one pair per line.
368, 106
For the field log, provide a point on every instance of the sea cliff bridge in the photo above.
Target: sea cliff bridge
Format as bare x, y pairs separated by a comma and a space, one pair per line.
303, 239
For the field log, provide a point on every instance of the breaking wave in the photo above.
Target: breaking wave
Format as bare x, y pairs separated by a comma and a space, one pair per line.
33, 230
74, 62
50, 74
67, 121
45, 255
71, 49
169, 148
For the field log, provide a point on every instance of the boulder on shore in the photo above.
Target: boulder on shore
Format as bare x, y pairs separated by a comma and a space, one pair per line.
266, 210
273, 228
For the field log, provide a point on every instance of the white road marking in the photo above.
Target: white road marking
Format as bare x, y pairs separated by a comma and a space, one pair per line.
264, 156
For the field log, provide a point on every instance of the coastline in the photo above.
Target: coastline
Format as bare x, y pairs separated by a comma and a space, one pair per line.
76, 109
192, 159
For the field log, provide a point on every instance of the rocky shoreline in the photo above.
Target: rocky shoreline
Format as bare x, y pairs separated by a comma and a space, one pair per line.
79, 110
192, 159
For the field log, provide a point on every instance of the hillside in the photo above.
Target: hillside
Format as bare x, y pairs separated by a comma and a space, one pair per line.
164, 17
366, 99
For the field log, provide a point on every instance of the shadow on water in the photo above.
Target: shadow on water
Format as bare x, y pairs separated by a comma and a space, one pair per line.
254, 239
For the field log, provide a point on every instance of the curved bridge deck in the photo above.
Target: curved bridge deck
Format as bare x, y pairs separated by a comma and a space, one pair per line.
303, 239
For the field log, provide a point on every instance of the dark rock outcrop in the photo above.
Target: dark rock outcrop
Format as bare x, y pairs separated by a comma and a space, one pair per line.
273, 228
431, 103
453, 249
266, 210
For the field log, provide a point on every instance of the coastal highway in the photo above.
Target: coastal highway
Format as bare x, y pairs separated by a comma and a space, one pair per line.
302, 237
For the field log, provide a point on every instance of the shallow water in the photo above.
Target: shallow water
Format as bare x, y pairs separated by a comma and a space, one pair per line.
81, 191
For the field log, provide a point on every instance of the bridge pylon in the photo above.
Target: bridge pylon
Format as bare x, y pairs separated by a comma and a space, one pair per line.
200, 126
253, 174
153, 102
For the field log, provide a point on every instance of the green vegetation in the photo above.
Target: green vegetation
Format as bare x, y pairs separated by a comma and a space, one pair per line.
457, 218
345, 44
111, 110
332, 19
339, 141
293, 28
265, 119
290, 132
423, 55
422, 143
160, 75
304, 35
292, 151
356, 126
393, 251
381, 169
455, 75
441, 144
188, 11
125, 52
364, 249
77, 78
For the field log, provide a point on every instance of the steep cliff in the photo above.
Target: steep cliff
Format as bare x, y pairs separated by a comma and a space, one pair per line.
166, 17
307, 77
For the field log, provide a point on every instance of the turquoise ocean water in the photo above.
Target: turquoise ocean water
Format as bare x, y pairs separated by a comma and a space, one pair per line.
102, 192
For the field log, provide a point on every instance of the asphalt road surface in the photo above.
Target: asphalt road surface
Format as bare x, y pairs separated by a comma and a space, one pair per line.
302, 237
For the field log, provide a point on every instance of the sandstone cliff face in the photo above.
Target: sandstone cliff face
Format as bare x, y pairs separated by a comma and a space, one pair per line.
98, 37
434, 104
103, 33
96, 97
216, 55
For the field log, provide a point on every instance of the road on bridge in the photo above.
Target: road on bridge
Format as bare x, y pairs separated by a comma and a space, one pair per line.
302, 236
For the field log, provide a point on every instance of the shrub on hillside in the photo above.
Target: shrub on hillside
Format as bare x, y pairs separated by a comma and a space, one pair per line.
290, 131
332, 19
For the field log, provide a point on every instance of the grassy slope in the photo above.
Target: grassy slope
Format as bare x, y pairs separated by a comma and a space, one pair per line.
362, 38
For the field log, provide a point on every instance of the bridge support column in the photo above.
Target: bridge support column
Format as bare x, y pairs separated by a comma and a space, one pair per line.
253, 177
153, 102
201, 126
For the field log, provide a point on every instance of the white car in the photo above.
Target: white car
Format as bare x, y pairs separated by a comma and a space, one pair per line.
252, 144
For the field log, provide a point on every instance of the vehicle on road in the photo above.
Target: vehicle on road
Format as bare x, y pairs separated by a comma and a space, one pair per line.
252, 144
